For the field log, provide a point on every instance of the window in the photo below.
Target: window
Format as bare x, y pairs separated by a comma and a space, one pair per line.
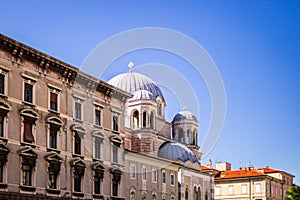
144, 173
230, 189
53, 101
97, 184
218, 190
154, 175
97, 148
172, 181
116, 178
257, 187
27, 175
53, 138
115, 153
52, 182
77, 182
164, 177
115, 123
97, 117
77, 110
188, 137
152, 120
144, 119
1, 172
1, 126
115, 187
272, 190
77, 144
180, 135
159, 108
27, 132
244, 189
28, 90
2, 83
135, 120
132, 171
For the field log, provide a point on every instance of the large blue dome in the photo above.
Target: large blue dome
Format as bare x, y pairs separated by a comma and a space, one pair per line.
176, 151
133, 81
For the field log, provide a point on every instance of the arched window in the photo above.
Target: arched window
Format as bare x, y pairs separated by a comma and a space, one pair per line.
194, 139
188, 137
144, 119
195, 193
152, 120
135, 119
180, 136
199, 193
132, 195
159, 108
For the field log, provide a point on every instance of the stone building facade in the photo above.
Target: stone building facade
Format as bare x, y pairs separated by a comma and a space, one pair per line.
67, 135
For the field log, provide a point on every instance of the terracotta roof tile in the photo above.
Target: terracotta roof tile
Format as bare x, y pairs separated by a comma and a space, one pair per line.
240, 173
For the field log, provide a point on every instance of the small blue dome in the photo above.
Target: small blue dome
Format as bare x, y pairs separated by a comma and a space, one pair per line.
176, 151
185, 115
133, 81
142, 94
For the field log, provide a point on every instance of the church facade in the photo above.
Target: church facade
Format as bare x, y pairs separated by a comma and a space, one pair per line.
67, 135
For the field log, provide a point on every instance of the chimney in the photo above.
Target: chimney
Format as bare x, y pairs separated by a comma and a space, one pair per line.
223, 166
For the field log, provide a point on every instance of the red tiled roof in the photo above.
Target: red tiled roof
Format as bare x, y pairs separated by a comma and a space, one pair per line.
206, 168
240, 174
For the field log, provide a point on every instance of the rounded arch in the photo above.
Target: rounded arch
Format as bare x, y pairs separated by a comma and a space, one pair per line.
145, 119
195, 136
152, 120
135, 119
132, 195
180, 135
160, 107
188, 136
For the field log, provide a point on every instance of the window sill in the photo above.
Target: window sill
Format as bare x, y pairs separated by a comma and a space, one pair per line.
98, 196
3, 139
3, 96
78, 194
78, 121
27, 188
117, 198
28, 144
98, 160
29, 104
78, 155
53, 191
116, 132
53, 111
52, 149
3, 185
98, 126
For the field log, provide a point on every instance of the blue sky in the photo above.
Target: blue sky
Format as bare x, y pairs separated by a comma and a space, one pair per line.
255, 45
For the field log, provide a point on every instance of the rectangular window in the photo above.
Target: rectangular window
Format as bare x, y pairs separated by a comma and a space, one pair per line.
53, 101
1, 172
53, 138
27, 173
77, 144
257, 187
28, 92
272, 190
77, 110
132, 171
154, 175
97, 117
115, 123
28, 136
218, 190
115, 188
77, 182
115, 153
97, 184
172, 181
230, 189
244, 189
1, 126
144, 173
164, 177
97, 148
52, 180
2, 84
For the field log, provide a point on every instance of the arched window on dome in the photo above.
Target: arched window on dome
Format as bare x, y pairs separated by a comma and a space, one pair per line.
159, 108
135, 119
152, 120
144, 119
194, 140
188, 137
180, 135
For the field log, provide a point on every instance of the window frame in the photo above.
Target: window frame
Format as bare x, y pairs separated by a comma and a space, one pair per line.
244, 189
154, 171
172, 181
258, 188
144, 173
230, 190
132, 174
164, 177
218, 190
